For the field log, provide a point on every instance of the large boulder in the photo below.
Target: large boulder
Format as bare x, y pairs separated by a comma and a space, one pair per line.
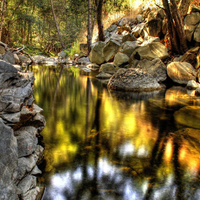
121, 59
96, 54
190, 23
128, 47
110, 50
133, 80
8, 162
154, 27
150, 51
181, 72
155, 67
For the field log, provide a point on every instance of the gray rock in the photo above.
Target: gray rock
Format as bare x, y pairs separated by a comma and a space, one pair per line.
38, 122
110, 50
31, 194
38, 59
133, 80
96, 54
8, 162
24, 59
17, 60
128, 37
6, 67
129, 47
84, 60
27, 140
121, 59
116, 37
108, 68
181, 72
27, 183
25, 166
9, 57
36, 171
155, 67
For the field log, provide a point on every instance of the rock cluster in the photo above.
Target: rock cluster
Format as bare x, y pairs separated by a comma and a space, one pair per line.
139, 44
20, 127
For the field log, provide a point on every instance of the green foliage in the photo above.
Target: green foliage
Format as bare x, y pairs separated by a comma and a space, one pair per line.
30, 22
74, 49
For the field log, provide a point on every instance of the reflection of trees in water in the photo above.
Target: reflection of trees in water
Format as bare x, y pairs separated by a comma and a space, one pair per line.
179, 187
94, 144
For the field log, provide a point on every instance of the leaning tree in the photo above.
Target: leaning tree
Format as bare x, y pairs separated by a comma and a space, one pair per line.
176, 34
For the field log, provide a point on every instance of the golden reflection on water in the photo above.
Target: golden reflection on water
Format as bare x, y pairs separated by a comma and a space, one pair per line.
129, 134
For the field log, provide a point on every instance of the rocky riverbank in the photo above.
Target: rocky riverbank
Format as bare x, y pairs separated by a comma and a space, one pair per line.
135, 54
20, 125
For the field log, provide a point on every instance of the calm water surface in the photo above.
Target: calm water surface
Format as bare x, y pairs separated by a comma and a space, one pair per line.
107, 145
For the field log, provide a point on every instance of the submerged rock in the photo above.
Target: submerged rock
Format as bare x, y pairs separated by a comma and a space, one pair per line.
188, 116
133, 80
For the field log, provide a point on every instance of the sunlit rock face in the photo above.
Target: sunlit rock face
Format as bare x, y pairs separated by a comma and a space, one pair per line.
133, 80
181, 72
150, 51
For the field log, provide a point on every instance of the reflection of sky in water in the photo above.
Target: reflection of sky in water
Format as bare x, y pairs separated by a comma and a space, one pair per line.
128, 149
107, 176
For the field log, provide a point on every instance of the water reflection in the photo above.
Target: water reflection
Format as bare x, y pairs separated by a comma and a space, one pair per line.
101, 144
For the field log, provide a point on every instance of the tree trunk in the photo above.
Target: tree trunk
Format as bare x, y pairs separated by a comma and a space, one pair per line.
57, 27
183, 7
179, 27
100, 20
89, 36
2, 17
177, 38
173, 46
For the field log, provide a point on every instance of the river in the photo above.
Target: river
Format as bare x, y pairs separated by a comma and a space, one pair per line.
107, 145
